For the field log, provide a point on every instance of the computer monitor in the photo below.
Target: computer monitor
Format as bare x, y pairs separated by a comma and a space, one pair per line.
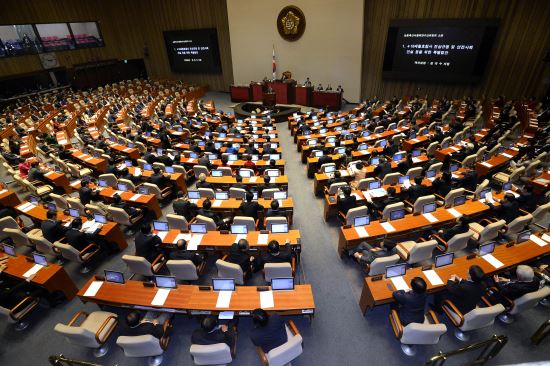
275, 157
255, 157
201, 143
217, 145
198, 228
444, 145
168, 282
160, 225
523, 236
128, 163
273, 173
223, 284
255, 195
383, 143
193, 155
397, 157
430, 173
362, 146
148, 133
39, 259
193, 195
212, 157
147, 167
453, 168
460, 200
397, 214
51, 206
507, 186
361, 220
102, 219
122, 187
222, 195
102, 183
396, 270
428, 208
403, 179
73, 212
160, 151
318, 153
279, 228
483, 192
487, 248
222, 135
239, 229
444, 259
365, 134
232, 157
143, 190
375, 184
282, 283
416, 153
374, 161
85, 151
9, 250
351, 125
412, 135
216, 173
280, 195
245, 173
114, 276
169, 169
329, 168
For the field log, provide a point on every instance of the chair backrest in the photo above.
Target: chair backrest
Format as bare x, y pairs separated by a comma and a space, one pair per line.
119, 216
355, 212
249, 171
198, 169
414, 172
333, 189
40, 242
19, 238
391, 179
454, 193
480, 153
532, 168
425, 333
538, 214
490, 231
430, 150
68, 252
207, 192
494, 149
436, 167
160, 165
177, 222
459, 241
141, 163
389, 208
327, 165
77, 335
518, 224
226, 171
238, 193
481, 186
286, 352
95, 209
469, 161
274, 270
529, 300
131, 186
422, 251
60, 201
8, 222
210, 224
140, 346
212, 354
110, 179
481, 317
138, 265
268, 193
76, 204
230, 270
274, 220
378, 266
245, 220
516, 174
364, 183
184, 270
154, 189
421, 201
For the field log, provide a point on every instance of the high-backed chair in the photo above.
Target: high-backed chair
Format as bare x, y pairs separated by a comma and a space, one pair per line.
121, 217
177, 222
456, 243
83, 257
131, 186
539, 214
144, 346
437, 167
274, 220
207, 192
18, 237
226, 171
475, 319
247, 171
353, 213
95, 209
40, 191
160, 193
389, 208
414, 172
7, 223
41, 244
268, 193
333, 189
524, 303
448, 201
141, 266
413, 334
327, 165
210, 224
486, 233
430, 150
378, 266
16, 314
218, 354
76, 204
285, 353
480, 187
245, 220
364, 183
513, 176
413, 252
517, 225
110, 179
77, 171
420, 202
198, 169
274, 270
230, 270
184, 270
391, 179
93, 332
239, 193
60, 201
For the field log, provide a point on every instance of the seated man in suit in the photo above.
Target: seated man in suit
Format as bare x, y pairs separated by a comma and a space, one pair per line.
125, 174
238, 254
274, 210
391, 198
202, 183
524, 283
365, 253
410, 304
508, 209
183, 207
462, 225
347, 202
267, 185
337, 178
383, 168
159, 179
86, 193
206, 211
149, 157
416, 190
211, 332
274, 253
154, 323
464, 294
52, 229
181, 253
239, 183
119, 203
77, 238
35, 173
250, 208
147, 245
269, 330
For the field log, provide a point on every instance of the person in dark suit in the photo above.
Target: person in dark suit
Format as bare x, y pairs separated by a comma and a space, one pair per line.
35, 173
347, 202
462, 225
86, 193
238, 254
147, 245
464, 294
158, 178
527, 200
337, 178
206, 211
411, 303
202, 183
52, 229
388, 200
75, 237
125, 174
324, 159
383, 168
181, 253
239, 183
442, 185
212, 333
153, 323
274, 210
183, 207
508, 209
416, 190
269, 330
149, 157
524, 283
404, 165
117, 202
267, 185
250, 208
468, 180
274, 253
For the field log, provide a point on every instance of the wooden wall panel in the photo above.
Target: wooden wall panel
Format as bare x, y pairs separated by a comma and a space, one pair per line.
128, 26
515, 68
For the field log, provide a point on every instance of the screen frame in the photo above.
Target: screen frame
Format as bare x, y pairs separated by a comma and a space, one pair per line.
217, 66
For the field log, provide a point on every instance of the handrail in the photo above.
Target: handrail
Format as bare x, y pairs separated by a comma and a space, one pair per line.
541, 333
490, 348
63, 361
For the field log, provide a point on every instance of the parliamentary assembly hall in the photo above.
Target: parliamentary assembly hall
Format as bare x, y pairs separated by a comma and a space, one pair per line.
274, 182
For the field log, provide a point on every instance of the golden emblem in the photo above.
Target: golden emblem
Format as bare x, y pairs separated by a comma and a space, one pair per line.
290, 23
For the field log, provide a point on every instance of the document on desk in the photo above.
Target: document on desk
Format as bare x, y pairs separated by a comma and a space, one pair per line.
431, 218
433, 277
34, 269
26, 207
512, 193
492, 260
507, 155
546, 238
239, 237
378, 192
262, 238
48, 174
194, 200
195, 241
361, 231
92, 228
127, 149
266, 300
217, 203
399, 283
535, 239
90, 158
454, 148
252, 179
388, 227
160, 297
135, 197
137, 172
454, 212
224, 298
93, 288
486, 164
185, 237
3, 191
407, 184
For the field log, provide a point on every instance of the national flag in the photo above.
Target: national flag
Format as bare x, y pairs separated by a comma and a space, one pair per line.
274, 65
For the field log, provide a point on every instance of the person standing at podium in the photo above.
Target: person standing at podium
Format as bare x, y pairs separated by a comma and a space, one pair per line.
307, 82
340, 89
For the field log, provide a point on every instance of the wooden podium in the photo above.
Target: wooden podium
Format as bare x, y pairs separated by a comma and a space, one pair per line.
327, 99
257, 91
284, 91
240, 93
269, 99
303, 95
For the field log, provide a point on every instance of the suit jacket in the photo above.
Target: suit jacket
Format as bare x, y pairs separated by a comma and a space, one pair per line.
238, 257
270, 336
160, 180
507, 210
411, 306
52, 230
381, 170
184, 208
178, 254
516, 289
200, 336
77, 239
274, 213
346, 203
465, 294
147, 246
285, 256
85, 195
416, 191
250, 209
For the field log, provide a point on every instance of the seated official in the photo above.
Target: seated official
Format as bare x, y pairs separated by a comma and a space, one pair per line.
202, 183
52, 229
416, 190
149, 157
76, 238
366, 253
524, 283
404, 165
152, 323
347, 202
147, 245
181, 253
124, 173
462, 225
274, 253
250, 208
274, 210
35, 173
269, 330
64, 154
211, 332
238, 254
240, 183
267, 185
158, 178
24, 168
411, 304
337, 178
206, 211
249, 164
7, 211
389, 199
464, 294
86, 194
119, 203
508, 209
183, 207
358, 174
527, 199
443, 185
324, 159
383, 168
